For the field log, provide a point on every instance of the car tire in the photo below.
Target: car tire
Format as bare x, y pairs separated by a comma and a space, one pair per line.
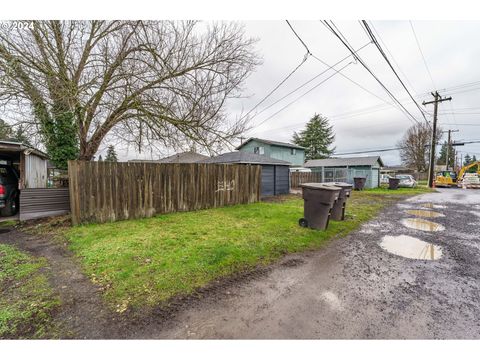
10, 208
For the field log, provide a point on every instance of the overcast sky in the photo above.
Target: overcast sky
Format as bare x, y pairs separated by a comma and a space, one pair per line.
361, 120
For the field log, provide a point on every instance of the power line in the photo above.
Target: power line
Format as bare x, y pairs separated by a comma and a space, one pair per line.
391, 55
354, 53
375, 42
460, 124
369, 151
299, 38
421, 53
298, 98
307, 82
276, 87
370, 71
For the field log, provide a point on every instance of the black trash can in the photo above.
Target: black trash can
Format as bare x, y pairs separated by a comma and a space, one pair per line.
359, 183
393, 183
338, 210
318, 202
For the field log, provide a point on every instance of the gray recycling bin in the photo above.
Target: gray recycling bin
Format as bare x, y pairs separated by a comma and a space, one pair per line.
359, 182
338, 210
318, 202
393, 183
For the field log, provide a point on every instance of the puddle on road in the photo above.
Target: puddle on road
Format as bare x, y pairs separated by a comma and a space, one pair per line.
410, 247
421, 224
432, 206
424, 213
332, 300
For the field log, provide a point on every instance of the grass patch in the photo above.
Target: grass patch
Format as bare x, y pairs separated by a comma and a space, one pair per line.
147, 261
26, 299
383, 189
8, 223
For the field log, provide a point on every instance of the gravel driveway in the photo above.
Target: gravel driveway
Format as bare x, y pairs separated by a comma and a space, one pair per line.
356, 288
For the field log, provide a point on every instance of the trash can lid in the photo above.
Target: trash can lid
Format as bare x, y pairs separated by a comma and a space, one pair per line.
320, 186
341, 184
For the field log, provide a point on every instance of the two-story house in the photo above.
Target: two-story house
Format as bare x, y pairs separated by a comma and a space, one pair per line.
294, 154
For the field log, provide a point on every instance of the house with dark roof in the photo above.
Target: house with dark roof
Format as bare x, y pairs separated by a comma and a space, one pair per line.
345, 169
292, 153
187, 157
275, 173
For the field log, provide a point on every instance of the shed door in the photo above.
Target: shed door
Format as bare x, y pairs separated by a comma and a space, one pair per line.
375, 175
282, 177
268, 183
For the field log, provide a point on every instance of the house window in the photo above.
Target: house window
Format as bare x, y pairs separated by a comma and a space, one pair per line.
259, 150
293, 151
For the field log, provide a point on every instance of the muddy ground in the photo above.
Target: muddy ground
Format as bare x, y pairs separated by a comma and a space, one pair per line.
352, 288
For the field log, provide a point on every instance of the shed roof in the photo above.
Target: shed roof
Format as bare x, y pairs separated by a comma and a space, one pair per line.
15, 146
351, 161
240, 157
270, 142
186, 157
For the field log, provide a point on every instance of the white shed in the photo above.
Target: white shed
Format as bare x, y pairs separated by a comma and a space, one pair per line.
30, 164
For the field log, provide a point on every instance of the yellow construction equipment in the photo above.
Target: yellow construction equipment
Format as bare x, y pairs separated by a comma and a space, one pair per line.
463, 179
446, 179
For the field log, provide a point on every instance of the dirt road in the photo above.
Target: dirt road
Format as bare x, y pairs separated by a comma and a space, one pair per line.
356, 288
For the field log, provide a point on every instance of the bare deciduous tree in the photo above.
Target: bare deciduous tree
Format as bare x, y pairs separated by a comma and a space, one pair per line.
415, 146
142, 81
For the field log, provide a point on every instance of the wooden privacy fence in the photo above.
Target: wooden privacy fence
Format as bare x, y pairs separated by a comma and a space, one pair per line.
297, 178
108, 191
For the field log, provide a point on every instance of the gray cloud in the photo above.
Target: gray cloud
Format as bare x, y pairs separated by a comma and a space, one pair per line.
451, 50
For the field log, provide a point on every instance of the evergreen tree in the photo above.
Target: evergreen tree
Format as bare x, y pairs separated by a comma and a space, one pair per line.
100, 158
474, 158
467, 160
317, 138
442, 159
5, 130
111, 154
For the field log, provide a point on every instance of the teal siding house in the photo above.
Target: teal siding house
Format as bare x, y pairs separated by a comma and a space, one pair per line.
294, 154
346, 169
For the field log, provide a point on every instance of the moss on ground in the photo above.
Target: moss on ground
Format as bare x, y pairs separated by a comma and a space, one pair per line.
26, 298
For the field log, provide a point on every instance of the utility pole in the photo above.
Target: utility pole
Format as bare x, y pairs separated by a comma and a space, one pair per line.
437, 99
448, 147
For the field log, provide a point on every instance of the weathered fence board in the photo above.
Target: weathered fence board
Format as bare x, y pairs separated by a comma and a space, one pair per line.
297, 178
108, 191
43, 202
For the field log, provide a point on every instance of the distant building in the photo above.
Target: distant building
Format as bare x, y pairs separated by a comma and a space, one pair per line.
275, 173
187, 157
345, 169
291, 153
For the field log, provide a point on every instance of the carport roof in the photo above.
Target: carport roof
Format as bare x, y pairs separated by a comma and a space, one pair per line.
241, 157
351, 161
6, 145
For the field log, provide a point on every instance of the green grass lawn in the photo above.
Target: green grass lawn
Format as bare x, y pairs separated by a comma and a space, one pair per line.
147, 261
26, 299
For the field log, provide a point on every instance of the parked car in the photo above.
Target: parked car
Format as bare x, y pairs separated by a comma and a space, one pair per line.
9, 194
406, 181
384, 178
